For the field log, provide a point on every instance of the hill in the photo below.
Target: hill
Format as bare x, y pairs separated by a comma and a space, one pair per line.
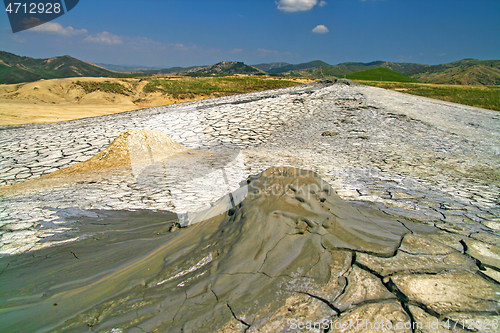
271, 66
17, 69
465, 72
298, 67
380, 74
225, 68
126, 69
343, 69
169, 71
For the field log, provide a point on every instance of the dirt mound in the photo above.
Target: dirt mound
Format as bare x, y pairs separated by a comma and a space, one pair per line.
129, 154
287, 237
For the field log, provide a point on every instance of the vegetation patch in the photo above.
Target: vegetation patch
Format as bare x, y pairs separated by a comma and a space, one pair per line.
108, 87
380, 74
214, 85
487, 97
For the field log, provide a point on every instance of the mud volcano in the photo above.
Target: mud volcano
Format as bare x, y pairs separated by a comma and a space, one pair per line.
94, 239
291, 234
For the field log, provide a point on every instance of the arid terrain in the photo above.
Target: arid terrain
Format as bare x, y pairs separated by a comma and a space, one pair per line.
48, 101
330, 202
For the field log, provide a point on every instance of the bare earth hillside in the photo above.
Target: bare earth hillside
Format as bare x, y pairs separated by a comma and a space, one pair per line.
48, 101
63, 99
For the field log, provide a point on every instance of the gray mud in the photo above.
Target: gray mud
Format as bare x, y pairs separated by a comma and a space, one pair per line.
137, 269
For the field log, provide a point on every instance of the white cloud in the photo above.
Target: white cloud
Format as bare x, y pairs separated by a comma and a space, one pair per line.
104, 38
320, 29
322, 3
291, 6
57, 29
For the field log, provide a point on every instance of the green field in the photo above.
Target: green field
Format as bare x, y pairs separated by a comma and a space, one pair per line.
487, 97
211, 85
380, 74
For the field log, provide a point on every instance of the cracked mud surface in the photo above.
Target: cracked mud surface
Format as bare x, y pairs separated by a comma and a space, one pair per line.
239, 268
414, 240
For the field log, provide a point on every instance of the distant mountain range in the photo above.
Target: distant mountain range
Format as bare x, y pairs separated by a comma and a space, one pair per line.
298, 67
272, 65
16, 69
226, 68
466, 71
346, 68
127, 69
221, 68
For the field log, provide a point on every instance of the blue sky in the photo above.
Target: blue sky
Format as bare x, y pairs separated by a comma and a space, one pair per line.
167, 33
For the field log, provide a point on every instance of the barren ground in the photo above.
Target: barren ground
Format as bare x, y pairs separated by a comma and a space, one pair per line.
49, 101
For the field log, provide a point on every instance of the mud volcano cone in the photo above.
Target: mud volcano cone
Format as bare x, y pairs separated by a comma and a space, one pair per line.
284, 238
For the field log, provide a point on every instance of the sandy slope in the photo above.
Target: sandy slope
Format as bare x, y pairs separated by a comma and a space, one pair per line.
48, 101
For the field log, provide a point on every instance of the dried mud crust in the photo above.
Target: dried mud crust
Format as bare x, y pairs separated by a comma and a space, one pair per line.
291, 250
421, 163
